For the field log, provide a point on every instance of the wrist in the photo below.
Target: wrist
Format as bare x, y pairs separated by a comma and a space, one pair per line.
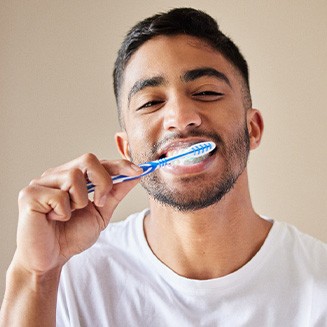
19, 277
30, 297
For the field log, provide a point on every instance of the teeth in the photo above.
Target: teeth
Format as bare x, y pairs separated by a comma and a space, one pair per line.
185, 161
173, 153
188, 161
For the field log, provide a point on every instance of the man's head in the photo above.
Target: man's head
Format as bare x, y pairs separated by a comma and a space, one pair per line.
175, 88
185, 21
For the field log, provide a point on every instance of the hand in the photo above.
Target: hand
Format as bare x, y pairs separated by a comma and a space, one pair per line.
56, 218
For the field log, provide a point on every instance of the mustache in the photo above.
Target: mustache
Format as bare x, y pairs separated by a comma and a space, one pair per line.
216, 138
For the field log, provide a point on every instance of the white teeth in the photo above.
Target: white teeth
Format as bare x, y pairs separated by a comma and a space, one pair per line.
173, 153
187, 161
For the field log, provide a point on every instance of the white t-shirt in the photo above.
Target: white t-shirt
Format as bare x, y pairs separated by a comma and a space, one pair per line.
120, 282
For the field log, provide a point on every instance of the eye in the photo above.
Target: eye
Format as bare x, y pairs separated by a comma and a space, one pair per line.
207, 95
150, 104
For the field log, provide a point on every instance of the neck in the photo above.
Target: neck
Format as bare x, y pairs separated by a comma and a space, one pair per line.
210, 242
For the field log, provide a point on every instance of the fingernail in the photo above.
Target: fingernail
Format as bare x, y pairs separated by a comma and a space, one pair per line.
102, 201
136, 168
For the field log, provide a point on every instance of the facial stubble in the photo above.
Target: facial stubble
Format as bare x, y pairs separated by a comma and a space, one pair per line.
199, 192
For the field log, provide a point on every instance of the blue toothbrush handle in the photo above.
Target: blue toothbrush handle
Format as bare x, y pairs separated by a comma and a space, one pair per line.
148, 168
198, 149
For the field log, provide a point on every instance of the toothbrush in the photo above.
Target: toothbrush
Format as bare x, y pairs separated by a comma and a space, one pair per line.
194, 151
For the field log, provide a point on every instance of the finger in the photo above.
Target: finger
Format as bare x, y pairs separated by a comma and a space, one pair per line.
93, 171
53, 203
121, 167
99, 173
96, 173
71, 181
115, 196
117, 167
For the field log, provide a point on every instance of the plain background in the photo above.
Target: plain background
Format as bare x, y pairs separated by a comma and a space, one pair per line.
56, 98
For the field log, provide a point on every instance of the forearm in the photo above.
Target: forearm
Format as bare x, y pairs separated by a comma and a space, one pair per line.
30, 299
56, 221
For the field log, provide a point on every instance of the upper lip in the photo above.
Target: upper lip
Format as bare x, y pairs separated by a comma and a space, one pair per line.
178, 145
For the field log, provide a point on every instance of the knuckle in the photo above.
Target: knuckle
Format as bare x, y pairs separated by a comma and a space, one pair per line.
60, 197
125, 163
48, 172
82, 203
89, 158
74, 175
24, 193
34, 182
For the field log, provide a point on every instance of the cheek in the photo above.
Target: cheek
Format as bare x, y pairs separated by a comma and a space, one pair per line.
144, 128
142, 136
223, 122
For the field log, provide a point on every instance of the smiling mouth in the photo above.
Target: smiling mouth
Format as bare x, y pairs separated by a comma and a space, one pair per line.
185, 161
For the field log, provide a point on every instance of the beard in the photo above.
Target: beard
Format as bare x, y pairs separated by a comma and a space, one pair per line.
198, 193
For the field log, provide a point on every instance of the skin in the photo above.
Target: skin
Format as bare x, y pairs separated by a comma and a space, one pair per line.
57, 221
221, 238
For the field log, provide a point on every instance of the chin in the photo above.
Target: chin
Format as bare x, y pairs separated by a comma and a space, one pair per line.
190, 193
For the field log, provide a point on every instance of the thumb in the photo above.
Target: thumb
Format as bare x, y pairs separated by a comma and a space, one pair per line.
114, 197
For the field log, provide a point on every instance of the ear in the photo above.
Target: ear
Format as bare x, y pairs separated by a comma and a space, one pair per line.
255, 127
123, 145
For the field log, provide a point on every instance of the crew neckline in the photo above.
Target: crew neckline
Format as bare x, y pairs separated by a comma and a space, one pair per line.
234, 279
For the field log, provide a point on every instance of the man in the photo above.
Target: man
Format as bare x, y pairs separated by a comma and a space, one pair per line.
200, 255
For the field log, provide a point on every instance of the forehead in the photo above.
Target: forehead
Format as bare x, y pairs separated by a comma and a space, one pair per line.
170, 57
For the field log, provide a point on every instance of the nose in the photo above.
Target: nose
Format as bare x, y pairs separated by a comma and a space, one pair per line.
181, 115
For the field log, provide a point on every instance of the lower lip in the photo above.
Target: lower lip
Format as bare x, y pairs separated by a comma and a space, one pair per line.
189, 169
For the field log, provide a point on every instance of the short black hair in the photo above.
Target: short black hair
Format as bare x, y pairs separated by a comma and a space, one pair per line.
187, 21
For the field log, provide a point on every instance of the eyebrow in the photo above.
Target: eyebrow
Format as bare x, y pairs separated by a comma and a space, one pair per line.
194, 74
188, 76
144, 83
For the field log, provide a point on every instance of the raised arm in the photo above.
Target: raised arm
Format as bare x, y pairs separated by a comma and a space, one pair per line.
56, 221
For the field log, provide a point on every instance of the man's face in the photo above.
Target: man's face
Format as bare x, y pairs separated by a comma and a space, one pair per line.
178, 91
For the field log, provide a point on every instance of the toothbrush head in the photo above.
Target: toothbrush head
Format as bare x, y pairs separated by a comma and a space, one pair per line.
199, 149
193, 151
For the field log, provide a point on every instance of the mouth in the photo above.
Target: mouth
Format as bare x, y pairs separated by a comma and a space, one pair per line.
175, 149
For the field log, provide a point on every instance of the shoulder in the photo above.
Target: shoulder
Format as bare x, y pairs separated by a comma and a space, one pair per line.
305, 256
312, 254
300, 262
306, 247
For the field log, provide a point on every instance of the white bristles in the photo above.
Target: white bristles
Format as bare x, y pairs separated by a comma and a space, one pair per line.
190, 155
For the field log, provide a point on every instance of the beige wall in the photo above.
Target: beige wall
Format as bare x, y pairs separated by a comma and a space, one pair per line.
57, 103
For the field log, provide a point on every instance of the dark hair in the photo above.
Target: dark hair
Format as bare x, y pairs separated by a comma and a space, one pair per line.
186, 21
